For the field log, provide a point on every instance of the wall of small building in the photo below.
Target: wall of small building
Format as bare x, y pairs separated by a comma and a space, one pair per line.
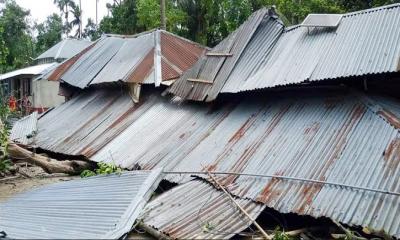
45, 94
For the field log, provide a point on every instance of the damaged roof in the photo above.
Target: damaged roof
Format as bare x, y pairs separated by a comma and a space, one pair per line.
24, 130
101, 207
196, 210
149, 58
265, 54
327, 135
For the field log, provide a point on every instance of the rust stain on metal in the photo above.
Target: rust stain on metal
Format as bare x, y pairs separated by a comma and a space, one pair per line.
249, 152
392, 157
313, 129
309, 192
142, 70
331, 102
267, 191
182, 53
84, 126
390, 117
168, 72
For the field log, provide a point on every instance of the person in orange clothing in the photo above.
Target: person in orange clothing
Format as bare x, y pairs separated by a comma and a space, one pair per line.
12, 103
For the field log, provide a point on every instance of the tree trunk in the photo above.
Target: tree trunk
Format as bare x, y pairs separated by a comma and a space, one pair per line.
49, 165
163, 20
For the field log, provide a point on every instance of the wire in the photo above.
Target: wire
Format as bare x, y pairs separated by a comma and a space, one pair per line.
292, 179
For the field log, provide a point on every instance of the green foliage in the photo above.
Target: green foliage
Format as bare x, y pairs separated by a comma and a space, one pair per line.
123, 19
64, 6
107, 168
279, 235
149, 15
91, 31
5, 163
76, 21
208, 227
87, 173
103, 169
3, 50
49, 33
16, 36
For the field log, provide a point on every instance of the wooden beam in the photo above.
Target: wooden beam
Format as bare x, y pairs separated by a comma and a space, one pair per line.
200, 80
219, 54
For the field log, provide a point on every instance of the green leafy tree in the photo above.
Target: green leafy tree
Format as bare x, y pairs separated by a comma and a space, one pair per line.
123, 19
3, 52
76, 21
16, 35
91, 31
149, 17
49, 33
64, 6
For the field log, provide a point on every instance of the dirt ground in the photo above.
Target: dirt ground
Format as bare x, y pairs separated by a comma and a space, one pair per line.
31, 177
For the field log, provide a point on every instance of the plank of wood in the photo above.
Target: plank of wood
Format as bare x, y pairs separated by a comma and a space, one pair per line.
219, 54
200, 80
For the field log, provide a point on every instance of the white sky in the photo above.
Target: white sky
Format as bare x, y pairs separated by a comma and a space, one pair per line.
40, 9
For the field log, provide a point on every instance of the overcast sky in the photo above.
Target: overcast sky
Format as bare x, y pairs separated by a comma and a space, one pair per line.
40, 9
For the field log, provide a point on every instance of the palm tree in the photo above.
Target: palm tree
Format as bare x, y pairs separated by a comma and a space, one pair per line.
77, 21
64, 5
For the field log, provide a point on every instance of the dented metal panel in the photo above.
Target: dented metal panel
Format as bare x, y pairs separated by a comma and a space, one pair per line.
196, 210
25, 129
333, 136
67, 48
329, 135
101, 207
94, 118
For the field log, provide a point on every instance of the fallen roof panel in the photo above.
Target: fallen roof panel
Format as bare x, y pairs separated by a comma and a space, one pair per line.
334, 136
102, 207
24, 130
196, 210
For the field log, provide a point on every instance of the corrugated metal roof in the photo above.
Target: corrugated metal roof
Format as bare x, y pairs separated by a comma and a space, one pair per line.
126, 58
364, 43
333, 138
28, 71
67, 48
86, 123
102, 207
217, 69
25, 129
195, 210
334, 135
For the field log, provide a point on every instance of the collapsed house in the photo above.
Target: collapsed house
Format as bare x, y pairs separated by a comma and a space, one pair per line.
314, 142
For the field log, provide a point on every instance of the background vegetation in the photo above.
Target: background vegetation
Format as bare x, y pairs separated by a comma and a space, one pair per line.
203, 21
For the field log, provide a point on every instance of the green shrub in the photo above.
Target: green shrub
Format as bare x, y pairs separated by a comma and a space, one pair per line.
103, 169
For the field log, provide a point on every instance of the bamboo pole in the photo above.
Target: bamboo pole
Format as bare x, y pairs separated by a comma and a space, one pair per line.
266, 236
